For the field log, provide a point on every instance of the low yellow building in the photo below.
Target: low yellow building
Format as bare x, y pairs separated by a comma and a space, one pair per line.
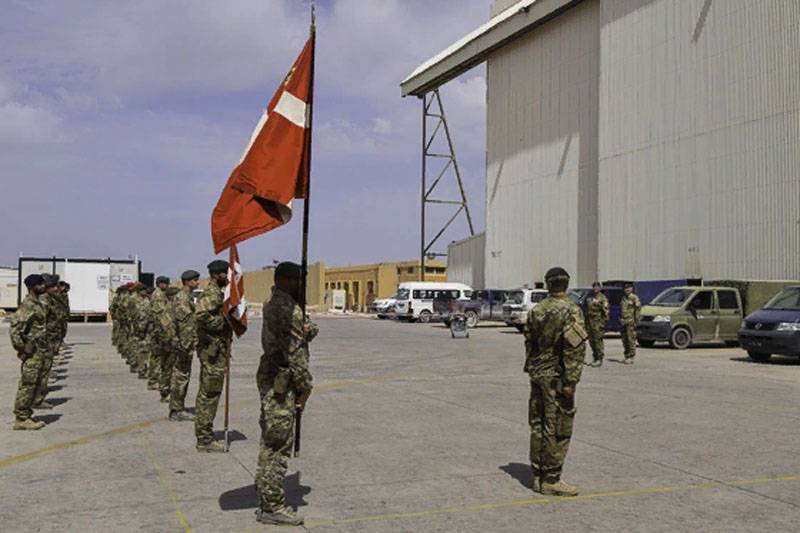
365, 283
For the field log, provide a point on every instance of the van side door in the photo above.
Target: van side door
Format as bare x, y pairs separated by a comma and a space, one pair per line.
730, 314
703, 315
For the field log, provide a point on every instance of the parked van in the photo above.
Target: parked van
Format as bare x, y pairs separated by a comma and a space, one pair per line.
775, 328
415, 299
682, 315
613, 295
518, 305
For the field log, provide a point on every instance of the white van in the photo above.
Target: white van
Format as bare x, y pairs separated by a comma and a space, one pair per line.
415, 299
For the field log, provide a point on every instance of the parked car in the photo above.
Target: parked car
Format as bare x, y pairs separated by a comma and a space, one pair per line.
415, 299
612, 293
775, 328
519, 303
383, 307
682, 315
484, 304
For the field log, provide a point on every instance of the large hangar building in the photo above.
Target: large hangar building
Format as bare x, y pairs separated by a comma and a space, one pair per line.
636, 139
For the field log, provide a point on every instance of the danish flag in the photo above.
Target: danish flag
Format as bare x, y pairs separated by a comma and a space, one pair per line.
234, 306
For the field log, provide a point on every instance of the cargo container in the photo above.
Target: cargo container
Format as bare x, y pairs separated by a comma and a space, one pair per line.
8, 288
92, 281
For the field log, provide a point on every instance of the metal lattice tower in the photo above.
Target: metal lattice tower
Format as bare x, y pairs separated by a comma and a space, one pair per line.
433, 112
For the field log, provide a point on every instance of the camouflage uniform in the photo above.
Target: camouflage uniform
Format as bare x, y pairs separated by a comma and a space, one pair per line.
186, 343
551, 363
630, 312
130, 311
113, 310
169, 339
142, 326
158, 344
53, 337
283, 375
213, 349
29, 337
596, 319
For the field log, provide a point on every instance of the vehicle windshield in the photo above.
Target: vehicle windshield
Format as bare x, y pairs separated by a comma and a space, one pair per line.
786, 300
402, 294
516, 297
672, 297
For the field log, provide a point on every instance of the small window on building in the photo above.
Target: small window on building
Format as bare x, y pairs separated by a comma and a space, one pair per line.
410, 270
727, 300
370, 287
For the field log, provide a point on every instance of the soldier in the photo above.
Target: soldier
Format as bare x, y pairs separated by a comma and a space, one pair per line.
142, 327
169, 335
129, 311
158, 306
29, 338
53, 335
630, 313
116, 317
555, 349
596, 319
214, 335
284, 383
63, 299
186, 328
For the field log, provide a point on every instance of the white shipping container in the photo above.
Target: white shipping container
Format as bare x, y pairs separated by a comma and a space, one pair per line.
8, 288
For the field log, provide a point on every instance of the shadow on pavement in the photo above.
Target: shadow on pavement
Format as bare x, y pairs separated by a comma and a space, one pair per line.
48, 419
53, 388
245, 497
520, 472
233, 435
774, 360
58, 401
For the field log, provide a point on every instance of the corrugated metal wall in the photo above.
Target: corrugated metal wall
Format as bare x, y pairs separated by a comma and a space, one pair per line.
542, 152
699, 132
647, 139
465, 261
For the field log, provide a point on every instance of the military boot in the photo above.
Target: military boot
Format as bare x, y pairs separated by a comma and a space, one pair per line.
597, 363
28, 424
537, 484
180, 416
214, 446
282, 516
628, 361
558, 488
44, 405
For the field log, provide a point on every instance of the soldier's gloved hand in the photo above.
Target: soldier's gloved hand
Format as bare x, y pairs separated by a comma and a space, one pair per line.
568, 391
300, 401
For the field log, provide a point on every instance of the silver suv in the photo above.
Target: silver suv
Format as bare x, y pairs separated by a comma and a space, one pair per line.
519, 303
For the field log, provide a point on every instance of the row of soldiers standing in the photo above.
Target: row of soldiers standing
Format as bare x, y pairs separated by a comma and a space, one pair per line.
38, 330
157, 331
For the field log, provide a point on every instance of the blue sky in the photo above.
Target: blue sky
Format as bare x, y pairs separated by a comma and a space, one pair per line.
121, 121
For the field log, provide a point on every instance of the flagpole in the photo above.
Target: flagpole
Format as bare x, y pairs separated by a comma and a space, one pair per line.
306, 209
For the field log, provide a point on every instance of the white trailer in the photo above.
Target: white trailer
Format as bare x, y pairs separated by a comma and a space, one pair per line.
92, 281
8, 288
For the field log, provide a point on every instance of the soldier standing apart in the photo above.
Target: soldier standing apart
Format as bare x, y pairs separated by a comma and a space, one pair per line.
29, 339
596, 319
630, 313
214, 335
158, 306
169, 335
186, 342
284, 383
555, 349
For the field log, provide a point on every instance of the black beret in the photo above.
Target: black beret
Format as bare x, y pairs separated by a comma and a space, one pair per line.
190, 275
162, 279
628, 284
172, 291
218, 266
50, 280
555, 273
33, 280
288, 270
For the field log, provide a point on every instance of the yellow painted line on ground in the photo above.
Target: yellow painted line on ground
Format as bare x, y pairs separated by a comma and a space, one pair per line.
16, 459
168, 486
535, 501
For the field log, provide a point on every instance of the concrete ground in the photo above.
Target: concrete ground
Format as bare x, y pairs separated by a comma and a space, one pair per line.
409, 430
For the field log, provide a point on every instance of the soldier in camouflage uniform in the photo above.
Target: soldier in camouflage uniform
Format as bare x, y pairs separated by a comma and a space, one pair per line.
29, 338
284, 383
186, 328
214, 335
116, 317
159, 344
129, 311
596, 319
142, 327
555, 349
169, 337
53, 334
630, 313
63, 299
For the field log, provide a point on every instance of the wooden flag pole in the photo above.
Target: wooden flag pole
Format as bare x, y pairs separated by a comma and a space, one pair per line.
306, 209
227, 399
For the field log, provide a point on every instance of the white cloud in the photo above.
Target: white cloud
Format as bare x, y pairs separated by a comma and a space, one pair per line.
21, 123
